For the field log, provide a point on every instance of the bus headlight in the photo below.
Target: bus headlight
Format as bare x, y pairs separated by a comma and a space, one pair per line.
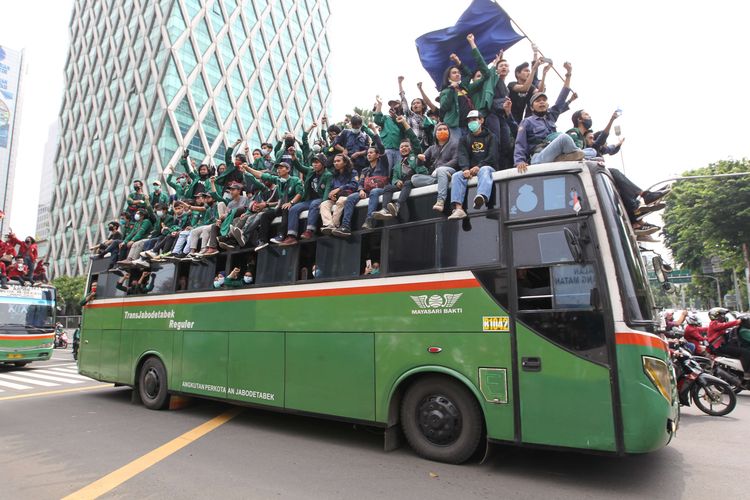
658, 372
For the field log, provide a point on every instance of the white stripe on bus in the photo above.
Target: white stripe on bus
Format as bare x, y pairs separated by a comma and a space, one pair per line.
330, 285
27, 380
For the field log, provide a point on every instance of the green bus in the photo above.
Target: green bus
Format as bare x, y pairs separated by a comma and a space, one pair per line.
530, 322
27, 324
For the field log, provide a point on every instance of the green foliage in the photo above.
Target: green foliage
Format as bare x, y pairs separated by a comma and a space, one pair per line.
709, 217
70, 290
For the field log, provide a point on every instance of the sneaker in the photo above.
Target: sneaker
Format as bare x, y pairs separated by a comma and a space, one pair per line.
327, 230
439, 206
124, 263
644, 210
225, 246
651, 197
382, 215
342, 232
95, 248
261, 246
458, 213
143, 264
646, 228
647, 238
367, 224
117, 271
288, 241
209, 252
479, 201
276, 240
107, 255
574, 156
236, 233
308, 234
393, 208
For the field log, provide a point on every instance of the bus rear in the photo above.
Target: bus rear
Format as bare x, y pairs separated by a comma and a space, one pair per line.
27, 323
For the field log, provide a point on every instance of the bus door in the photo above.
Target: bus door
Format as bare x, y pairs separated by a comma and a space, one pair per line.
563, 373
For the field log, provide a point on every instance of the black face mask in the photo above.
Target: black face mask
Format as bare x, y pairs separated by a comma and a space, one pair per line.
540, 113
587, 123
289, 142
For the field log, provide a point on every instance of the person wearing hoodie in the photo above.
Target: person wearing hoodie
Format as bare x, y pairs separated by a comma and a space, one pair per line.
441, 159
477, 157
345, 182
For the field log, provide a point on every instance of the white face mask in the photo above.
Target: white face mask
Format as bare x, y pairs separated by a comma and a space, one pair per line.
247, 279
316, 148
137, 216
265, 151
160, 213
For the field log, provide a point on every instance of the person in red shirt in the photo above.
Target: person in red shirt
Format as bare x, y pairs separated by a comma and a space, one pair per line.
17, 271
695, 333
717, 342
28, 250
40, 272
7, 251
3, 275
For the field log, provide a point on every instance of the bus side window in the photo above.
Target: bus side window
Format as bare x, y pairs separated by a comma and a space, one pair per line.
338, 258
411, 248
369, 257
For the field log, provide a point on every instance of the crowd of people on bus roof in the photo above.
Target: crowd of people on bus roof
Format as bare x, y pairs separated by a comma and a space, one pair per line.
20, 263
477, 125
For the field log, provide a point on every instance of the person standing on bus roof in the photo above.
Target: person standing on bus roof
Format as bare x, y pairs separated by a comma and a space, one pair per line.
390, 132
538, 140
477, 157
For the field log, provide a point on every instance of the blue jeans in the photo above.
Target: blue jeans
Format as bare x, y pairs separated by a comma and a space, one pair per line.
351, 202
562, 144
313, 214
372, 202
458, 184
441, 175
394, 158
294, 214
589, 153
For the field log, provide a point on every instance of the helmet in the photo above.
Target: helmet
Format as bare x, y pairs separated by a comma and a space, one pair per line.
693, 319
717, 313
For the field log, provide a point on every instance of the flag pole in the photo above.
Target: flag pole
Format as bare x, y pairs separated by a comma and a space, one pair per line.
532, 43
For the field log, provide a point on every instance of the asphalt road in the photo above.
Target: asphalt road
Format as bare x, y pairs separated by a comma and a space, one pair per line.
57, 440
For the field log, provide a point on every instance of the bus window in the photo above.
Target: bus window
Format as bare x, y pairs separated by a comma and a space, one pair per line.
545, 245
183, 269
163, 278
307, 264
201, 275
276, 265
534, 197
338, 258
411, 248
469, 242
369, 257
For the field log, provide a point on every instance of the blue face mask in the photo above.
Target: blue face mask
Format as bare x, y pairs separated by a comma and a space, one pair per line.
474, 126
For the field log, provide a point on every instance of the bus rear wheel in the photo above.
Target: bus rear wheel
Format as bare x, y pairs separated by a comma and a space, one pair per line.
152, 384
441, 420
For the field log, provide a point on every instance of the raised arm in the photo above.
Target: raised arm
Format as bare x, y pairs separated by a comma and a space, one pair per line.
426, 99
521, 88
568, 73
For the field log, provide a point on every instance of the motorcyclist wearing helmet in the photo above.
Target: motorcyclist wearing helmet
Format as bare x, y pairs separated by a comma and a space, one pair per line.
695, 333
717, 342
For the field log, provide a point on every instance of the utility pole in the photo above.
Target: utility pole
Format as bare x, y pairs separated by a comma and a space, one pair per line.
737, 298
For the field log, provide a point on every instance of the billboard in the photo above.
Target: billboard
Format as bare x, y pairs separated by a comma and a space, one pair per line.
10, 76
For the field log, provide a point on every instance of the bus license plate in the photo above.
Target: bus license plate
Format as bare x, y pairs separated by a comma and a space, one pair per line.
15, 355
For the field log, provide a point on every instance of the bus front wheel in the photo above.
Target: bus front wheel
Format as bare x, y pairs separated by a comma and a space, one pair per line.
441, 420
152, 384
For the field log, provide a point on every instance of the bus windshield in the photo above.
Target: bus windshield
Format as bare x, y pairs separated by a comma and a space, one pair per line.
26, 306
633, 277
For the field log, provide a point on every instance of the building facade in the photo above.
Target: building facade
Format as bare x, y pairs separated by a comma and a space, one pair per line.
46, 188
11, 69
146, 80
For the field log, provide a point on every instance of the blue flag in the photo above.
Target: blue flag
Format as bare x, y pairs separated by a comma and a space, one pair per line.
492, 32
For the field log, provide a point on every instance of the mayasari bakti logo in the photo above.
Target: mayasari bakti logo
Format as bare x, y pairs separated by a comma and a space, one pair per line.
437, 304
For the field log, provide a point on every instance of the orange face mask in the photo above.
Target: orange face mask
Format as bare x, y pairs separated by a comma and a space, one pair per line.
442, 135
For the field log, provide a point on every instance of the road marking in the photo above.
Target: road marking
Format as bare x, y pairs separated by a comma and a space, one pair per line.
11, 385
28, 380
55, 378
51, 393
67, 374
128, 471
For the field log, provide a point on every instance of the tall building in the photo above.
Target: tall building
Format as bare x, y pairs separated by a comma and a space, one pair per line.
43, 221
11, 69
147, 79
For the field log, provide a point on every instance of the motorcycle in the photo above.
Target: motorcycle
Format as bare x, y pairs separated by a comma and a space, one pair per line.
710, 394
61, 339
730, 369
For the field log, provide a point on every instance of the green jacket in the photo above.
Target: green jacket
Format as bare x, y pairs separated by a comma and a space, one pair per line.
578, 138
391, 132
194, 179
135, 196
482, 91
288, 188
140, 230
324, 183
397, 174
162, 198
180, 191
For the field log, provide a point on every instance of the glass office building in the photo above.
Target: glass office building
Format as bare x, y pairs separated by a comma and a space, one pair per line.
147, 79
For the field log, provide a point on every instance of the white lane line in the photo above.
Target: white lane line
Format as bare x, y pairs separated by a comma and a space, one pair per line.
67, 374
65, 379
27, 380
72, 369
11, 385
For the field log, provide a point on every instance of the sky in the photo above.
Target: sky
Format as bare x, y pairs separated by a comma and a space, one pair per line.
675, 68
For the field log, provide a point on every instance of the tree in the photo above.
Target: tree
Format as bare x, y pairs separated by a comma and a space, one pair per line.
707, 218
70, 290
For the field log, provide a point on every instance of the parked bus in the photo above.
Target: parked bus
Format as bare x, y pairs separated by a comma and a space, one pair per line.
27, 324
528, 323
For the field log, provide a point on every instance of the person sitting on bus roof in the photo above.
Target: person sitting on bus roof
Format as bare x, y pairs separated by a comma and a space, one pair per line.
172, 227
136, 198
265, 162
236, 206
290, 192
263, 198
232, 172
148, 224
354, 142
372, 181
3, 276
317, 186
401, 174
345, 182
7, 251
27, 249
477, 157
40, 272
17, 271
114, 234
143, 225
441, 159
182, 186
158, 196
194, 217
213, 209
538, 140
